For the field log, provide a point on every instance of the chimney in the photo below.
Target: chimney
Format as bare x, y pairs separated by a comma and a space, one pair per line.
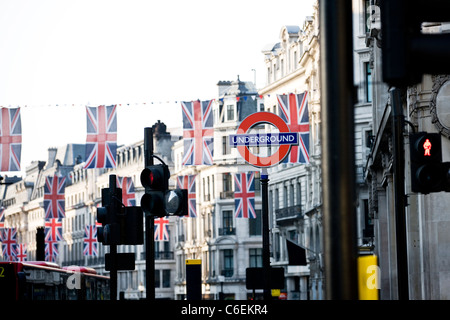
223, 86
51, 157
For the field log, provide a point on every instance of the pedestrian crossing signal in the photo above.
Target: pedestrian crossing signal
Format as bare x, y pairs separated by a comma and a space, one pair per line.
427, 169
427, 147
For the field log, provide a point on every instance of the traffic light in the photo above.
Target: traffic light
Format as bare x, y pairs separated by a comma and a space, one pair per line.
158, 200
109, 232
176, 202
407, 53
427, 170
155, 180
120, 224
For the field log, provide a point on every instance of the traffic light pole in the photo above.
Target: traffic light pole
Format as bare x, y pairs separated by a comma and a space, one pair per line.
399, 193
113, 247
149, 225
113, 272
338, 151
265, 231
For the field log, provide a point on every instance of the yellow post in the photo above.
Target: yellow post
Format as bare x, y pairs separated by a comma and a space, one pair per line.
276, 293
368, 277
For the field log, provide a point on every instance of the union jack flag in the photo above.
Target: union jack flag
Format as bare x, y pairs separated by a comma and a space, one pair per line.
54, 202
198, 132
294, 111
162, 229
21, 252
188, 182
90, 241
128, 193
53, 229
2, 222
9, 244
51, 251
244, 195
10, 139
101, 141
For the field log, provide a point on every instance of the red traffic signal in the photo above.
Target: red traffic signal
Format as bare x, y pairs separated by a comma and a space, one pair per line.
155, 180
426, 147
427, 173
155, 177
158, 200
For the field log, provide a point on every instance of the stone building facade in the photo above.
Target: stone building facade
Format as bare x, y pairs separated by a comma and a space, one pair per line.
24, 210
295, 189
425, 107
225, 245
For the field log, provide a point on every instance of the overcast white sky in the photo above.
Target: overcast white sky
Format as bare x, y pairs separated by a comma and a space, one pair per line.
56, 56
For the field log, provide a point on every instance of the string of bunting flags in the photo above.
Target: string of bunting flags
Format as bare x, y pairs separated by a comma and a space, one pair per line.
55, 212
54, 207
101, 148
198, 126
134, 103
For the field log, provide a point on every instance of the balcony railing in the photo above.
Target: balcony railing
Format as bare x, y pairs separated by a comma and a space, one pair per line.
164, 255
160, 255
227, 195
227, 273
288, 214
227, 231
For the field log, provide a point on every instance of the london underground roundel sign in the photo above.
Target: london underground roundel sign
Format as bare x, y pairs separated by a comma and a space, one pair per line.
242, 140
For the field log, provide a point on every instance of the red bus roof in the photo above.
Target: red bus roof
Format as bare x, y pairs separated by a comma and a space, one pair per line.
42, 264
51, 265
80, 269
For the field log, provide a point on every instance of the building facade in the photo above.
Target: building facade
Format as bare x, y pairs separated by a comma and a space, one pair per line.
425, 107
365, 85
295, 200
24, 210
296, 189
225, 244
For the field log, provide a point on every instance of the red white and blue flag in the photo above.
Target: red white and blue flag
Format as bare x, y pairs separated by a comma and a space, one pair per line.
90, 241
188, 182
9, 244
51, 251
128, 193
54, 198
10, 139
2, 222
162, 229
198, 132
294, 111
21, 252
101, 140
244, 195
53, 229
